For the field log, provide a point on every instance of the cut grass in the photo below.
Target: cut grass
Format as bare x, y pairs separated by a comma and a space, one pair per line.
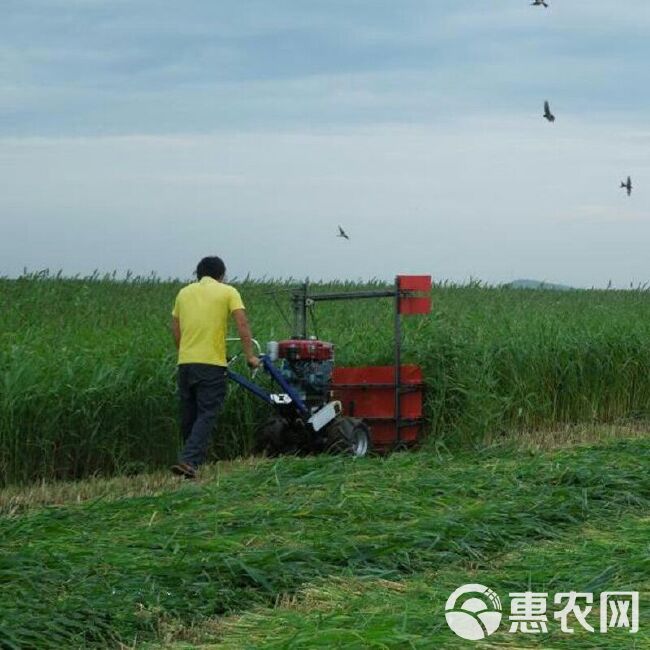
103, 572
370, 613
17, 498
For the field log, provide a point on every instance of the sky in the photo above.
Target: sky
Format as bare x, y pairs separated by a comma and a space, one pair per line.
142, 135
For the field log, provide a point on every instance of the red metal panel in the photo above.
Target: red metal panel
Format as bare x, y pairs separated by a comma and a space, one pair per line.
414, 282
360, 375
383, 433
369, 392
416, 305
378, 402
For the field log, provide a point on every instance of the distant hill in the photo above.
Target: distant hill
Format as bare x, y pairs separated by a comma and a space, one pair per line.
536, 284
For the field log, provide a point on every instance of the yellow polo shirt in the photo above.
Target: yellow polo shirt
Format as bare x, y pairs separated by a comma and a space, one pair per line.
202, 309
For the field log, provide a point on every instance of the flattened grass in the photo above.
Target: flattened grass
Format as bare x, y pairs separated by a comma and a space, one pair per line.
17, 498
603, 555
107, 571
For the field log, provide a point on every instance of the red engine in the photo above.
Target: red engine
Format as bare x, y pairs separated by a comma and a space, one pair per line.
307, 365
305, 350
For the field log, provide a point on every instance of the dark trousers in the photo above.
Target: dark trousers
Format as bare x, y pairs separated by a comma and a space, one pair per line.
202, 389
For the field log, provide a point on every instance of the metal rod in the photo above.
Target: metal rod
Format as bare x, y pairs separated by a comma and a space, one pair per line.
299, 302
398, 361
263, 394
304, 309
295, 304
351, 295
250, 386
285, 385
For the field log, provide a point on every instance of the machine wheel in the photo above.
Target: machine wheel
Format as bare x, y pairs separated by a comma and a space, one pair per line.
349, 436
275, 437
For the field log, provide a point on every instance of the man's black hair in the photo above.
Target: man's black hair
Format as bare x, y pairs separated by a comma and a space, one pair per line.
213, 267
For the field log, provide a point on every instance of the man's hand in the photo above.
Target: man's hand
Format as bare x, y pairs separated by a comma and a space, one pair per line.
253, 362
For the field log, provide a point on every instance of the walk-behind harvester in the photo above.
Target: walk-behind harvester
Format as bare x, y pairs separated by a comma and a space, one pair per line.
320, 407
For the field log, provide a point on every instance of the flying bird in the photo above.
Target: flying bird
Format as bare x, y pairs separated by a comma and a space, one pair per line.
547, 112
342, 233
627, 186
539, 3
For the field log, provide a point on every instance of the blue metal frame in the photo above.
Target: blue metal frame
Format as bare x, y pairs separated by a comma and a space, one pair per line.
263, 394
250, 386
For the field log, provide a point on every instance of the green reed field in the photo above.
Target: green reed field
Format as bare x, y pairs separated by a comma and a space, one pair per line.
87, 366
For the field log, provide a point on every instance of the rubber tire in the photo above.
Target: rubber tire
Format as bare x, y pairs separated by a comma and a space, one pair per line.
349, 436
273, 438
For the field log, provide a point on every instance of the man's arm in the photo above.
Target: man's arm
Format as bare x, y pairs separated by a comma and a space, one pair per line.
176, 331
239, 316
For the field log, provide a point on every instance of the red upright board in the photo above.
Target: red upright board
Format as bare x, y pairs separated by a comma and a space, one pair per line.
368, 392
414, 284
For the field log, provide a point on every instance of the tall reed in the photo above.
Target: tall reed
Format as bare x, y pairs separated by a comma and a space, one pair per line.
87, 381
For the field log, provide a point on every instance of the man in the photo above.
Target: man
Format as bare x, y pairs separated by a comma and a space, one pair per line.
200, 325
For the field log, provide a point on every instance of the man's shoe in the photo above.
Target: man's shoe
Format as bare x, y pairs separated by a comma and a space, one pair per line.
183, 469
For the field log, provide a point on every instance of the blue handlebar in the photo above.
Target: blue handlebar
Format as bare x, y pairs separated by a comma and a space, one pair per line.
263, 394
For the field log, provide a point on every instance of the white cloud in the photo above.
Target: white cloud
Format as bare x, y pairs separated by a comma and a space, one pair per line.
494, 199
417, 125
